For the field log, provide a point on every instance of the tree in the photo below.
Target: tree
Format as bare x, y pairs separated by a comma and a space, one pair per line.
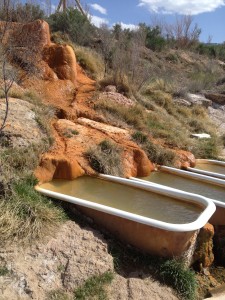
73, 23
183, 32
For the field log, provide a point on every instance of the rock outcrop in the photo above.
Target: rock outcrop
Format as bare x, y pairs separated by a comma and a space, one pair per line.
215, 97
203, 255
22, 128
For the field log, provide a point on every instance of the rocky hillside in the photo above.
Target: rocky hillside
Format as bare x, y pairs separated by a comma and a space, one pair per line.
63, 124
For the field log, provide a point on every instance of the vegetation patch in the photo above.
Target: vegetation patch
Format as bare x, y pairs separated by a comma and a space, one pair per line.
4, 271
94, 287
182, 279
132, 115
57, 295
26, 214
106, 158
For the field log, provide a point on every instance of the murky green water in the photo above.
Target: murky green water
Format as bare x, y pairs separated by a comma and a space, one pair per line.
211, 167
187, 184
128, 199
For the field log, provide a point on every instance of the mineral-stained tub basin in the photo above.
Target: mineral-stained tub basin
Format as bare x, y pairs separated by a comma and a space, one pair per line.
153, 219
209, 167
210, 187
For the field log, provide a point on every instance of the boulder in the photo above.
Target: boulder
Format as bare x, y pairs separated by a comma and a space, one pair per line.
198, 100
218, 98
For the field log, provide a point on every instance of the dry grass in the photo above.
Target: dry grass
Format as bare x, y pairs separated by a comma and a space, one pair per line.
106, 158
90, 60
132, 115
26, 214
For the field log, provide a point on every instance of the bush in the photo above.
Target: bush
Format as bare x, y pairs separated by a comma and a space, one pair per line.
106, 158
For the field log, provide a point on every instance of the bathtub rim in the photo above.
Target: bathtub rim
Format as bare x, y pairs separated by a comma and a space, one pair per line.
208, 173
207, 210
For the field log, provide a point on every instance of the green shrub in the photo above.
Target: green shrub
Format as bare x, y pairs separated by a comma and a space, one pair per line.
71, 22
94, 287
106, 158
180, 278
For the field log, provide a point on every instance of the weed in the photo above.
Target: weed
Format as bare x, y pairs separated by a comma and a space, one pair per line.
3, 271
94, 287
182, 279
69, 133
57, 295
139, 137
106, 158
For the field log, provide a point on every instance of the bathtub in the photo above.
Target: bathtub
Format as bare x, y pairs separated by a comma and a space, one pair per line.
209, 187
209, 167
129, 207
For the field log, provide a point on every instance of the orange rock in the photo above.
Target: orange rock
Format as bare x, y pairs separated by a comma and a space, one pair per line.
186, 159
61, 59
34, 34
203, 256
52, 167
142, 164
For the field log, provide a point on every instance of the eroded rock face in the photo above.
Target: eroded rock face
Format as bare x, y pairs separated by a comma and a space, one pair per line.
203, 256
34, 34
69, 161
61, 59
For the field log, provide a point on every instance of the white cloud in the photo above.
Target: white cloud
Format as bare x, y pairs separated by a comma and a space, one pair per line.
99, 8
186, 7
97, 21
127, 26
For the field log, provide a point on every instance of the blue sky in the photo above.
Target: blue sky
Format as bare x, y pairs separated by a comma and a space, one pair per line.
208, 14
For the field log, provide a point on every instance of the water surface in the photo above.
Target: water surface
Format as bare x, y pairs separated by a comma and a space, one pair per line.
127, 198
210, 167
188, 185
